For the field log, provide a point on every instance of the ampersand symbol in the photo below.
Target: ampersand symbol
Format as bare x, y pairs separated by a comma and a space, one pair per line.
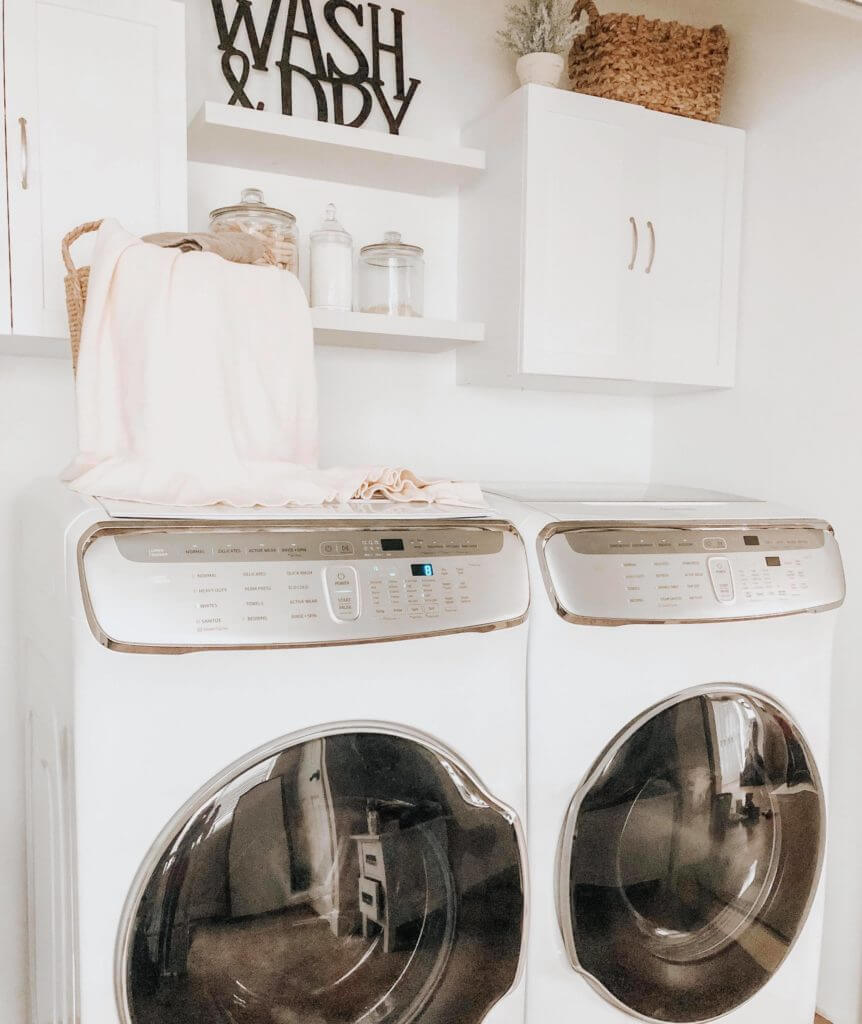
237, 84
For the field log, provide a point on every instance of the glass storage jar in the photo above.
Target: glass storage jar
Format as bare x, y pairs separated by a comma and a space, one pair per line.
332, 265
275, 228
392, 277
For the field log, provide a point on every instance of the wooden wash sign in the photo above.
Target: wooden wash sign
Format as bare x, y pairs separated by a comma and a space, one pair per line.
327, 79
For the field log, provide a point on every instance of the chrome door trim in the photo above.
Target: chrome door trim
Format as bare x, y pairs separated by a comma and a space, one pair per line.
562, 885
445, 756
706, 525
106, 529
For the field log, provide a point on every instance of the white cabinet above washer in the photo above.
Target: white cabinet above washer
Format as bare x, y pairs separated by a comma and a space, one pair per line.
95, 127
601, 247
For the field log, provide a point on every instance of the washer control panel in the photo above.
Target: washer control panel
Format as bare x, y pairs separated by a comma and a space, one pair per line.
201, 586
685, 573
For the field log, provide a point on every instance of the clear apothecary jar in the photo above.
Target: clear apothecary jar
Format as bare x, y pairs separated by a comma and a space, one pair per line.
275, 228
392, 278
331, 270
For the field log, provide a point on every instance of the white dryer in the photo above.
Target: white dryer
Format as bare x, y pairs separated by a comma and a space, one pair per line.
276, 764
678, 708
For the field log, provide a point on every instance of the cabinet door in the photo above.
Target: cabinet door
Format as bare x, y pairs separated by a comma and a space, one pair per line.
5, 286
100, 86
579, 236
691, 216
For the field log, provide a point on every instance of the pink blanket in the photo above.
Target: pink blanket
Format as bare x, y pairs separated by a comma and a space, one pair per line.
196, 386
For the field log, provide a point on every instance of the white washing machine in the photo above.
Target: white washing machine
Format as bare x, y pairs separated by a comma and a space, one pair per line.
678, 708
277, 765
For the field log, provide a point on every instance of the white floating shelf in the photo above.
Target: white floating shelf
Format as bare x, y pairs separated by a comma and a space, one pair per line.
38, 348
345, 330
263, 141
401, 333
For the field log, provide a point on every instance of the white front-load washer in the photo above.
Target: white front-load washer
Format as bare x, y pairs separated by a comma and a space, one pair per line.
678, 708
276, 764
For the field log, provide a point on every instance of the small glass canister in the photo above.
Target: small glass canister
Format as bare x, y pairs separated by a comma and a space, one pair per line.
392, 278
332, 265
275, 228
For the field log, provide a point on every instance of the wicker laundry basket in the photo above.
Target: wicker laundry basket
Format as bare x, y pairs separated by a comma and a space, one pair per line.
77, 279
663, 65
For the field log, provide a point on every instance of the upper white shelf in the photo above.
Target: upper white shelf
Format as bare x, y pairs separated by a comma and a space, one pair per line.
263, 141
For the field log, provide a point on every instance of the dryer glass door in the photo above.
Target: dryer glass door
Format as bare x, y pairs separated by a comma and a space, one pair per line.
350, 877
691, 856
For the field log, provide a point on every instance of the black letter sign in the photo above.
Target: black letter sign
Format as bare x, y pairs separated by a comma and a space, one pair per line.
366, 81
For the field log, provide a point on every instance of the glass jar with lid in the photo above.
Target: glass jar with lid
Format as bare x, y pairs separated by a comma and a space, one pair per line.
392, 277
275, 228
332, 265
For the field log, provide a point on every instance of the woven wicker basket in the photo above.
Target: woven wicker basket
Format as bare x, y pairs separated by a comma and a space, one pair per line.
662, 65
77, 279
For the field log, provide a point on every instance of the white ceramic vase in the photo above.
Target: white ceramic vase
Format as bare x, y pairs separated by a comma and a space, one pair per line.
540, 69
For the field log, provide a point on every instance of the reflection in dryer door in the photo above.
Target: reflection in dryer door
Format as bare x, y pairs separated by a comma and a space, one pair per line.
354, 877
696, 851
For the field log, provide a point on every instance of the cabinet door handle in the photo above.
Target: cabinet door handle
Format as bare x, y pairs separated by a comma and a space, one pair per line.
25, 153
635, 243
651, 229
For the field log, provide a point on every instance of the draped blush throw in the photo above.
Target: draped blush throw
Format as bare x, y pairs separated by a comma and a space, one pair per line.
196, 379
196, 386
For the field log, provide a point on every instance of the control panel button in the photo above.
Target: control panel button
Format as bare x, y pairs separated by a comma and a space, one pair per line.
342, 590
714, 544
722, 579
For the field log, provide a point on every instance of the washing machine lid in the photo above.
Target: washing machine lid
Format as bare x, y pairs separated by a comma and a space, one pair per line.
608, 493
377, 509
639, 503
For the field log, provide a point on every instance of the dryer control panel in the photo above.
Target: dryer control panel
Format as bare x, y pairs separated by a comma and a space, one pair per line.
612, 575
299, 585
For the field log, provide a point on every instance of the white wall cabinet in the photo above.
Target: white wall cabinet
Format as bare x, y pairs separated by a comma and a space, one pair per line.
601, 247
95, 126
5, 291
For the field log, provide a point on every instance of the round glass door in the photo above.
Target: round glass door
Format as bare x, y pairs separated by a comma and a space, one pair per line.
691, 856
351, 877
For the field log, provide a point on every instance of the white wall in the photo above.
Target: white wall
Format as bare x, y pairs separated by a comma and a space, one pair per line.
36, 437
791, 429
375, 407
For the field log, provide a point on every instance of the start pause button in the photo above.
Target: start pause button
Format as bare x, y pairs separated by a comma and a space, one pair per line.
722, 579
342, 591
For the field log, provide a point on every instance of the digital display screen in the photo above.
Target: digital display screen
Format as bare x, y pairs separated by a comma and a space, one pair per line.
773, 561
422, 570
392, 545
752, 542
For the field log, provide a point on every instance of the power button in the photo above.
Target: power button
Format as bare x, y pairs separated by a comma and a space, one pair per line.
342, 589
722, 579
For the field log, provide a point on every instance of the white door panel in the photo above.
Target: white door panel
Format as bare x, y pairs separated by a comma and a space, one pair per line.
688, 214
578, 244
101, 86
